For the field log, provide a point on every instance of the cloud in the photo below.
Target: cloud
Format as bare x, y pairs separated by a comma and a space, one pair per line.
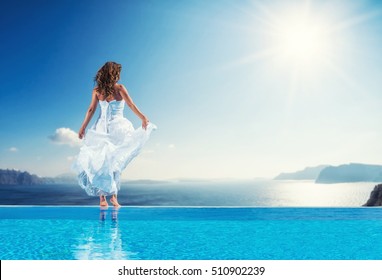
70, 158
171, 146
65, 136
13, 149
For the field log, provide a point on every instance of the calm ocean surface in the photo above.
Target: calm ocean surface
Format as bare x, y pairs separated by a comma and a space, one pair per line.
264, 193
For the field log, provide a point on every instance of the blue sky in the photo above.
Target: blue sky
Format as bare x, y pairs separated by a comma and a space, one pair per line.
238, 89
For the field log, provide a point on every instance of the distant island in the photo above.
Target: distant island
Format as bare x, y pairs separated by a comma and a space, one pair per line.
353, 172
345, 173
309, 173
16, 177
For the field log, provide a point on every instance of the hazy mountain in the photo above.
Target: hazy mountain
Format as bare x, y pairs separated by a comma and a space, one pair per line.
309, 173
65, 178
353, 172
16, 177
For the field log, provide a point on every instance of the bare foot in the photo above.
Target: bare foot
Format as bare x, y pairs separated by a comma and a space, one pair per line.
103, 201
114, 201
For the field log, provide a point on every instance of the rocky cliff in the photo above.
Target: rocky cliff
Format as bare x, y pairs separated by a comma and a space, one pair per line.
375, 197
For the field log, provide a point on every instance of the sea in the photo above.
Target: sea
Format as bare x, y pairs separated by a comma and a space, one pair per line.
253, 193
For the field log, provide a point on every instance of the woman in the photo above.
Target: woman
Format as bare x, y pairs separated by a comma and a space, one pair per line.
112, 142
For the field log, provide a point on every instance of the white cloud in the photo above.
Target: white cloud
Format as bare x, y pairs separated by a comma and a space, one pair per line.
13, 149
171, 146
65, 136
70, 158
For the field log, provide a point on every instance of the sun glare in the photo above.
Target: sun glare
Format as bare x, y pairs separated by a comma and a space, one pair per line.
301, 41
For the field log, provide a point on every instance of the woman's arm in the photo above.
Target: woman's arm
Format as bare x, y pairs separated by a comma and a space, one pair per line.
133, 107
89, 114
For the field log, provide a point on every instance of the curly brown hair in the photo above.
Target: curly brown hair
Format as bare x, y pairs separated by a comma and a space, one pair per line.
106, 77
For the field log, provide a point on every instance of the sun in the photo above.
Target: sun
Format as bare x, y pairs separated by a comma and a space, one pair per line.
301, 40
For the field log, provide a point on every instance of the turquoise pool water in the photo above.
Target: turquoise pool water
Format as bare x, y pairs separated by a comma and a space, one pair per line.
156, 233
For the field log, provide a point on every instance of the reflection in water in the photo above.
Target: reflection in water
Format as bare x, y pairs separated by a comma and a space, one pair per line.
101, 239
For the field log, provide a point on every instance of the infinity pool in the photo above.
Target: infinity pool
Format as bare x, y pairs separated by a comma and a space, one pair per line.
156, 233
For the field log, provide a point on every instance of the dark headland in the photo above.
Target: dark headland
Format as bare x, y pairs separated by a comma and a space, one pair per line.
375, 197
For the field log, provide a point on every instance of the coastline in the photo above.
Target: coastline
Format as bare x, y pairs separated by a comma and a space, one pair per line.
264, 193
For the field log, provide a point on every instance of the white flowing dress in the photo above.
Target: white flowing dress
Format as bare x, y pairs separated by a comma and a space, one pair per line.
107, 148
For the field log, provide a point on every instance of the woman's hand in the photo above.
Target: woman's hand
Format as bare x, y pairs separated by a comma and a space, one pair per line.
133, 107
81, 132
145, 122
89, 114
